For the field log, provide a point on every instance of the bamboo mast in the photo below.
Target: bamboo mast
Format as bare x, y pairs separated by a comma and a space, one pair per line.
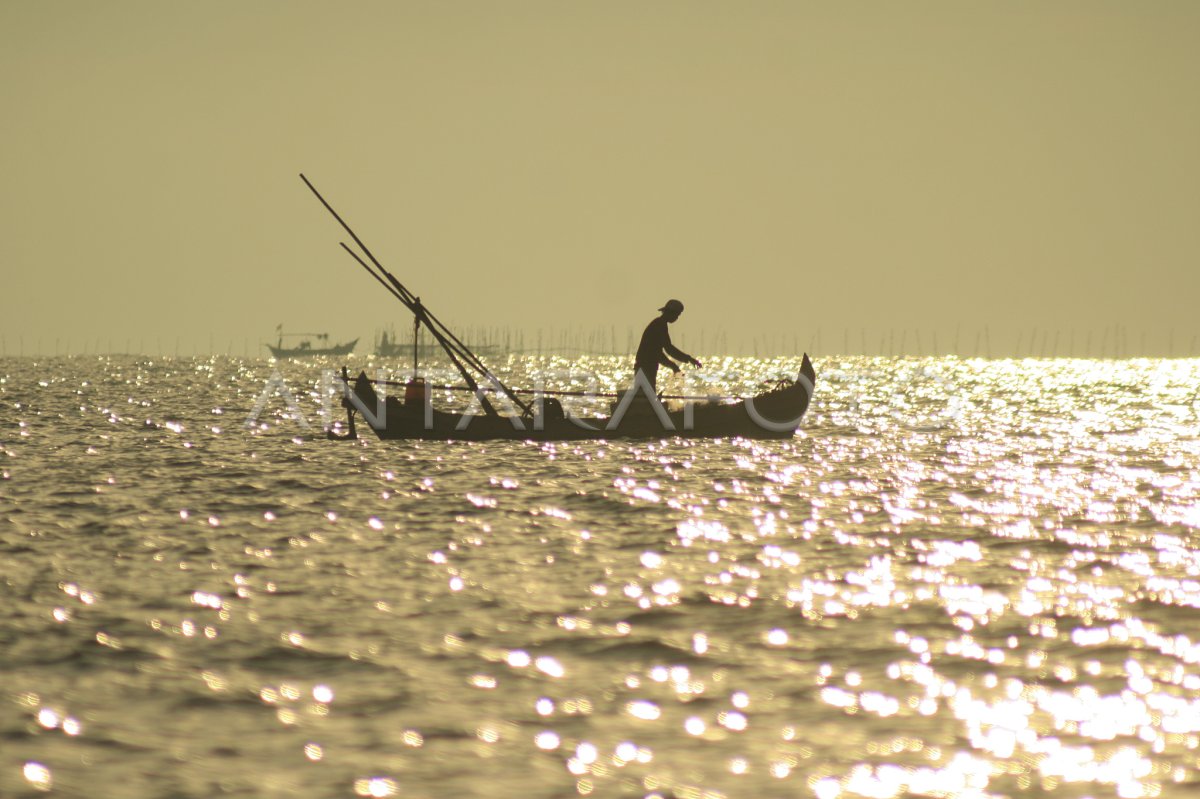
454, 347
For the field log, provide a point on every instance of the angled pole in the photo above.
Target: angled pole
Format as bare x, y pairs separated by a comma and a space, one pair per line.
382, 282
439, 330
418, 311
357, 240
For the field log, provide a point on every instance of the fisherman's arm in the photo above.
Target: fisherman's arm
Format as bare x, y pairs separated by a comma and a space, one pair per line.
680, 354
667, 362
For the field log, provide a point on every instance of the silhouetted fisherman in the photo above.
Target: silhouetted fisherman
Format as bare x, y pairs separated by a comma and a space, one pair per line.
656, 345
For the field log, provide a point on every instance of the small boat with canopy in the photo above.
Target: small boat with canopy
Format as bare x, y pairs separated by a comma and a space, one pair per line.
305, 348
500, 412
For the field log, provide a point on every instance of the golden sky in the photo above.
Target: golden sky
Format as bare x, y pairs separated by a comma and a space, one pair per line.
781, 167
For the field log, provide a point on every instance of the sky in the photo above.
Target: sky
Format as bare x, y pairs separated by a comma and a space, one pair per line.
796, 171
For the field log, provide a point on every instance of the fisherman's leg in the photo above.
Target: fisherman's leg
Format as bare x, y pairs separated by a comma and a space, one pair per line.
648, 372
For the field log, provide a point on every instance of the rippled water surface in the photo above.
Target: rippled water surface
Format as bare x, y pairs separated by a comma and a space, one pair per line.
960, 579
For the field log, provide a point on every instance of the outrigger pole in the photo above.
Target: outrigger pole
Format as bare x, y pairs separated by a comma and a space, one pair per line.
593, 394
455, 349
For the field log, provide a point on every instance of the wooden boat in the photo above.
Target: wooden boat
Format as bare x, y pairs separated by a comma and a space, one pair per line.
637, 413
305, 348
390, 346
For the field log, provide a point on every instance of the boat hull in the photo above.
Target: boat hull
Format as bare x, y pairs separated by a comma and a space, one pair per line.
772, 415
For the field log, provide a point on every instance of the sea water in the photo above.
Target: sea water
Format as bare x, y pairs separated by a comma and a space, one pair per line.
961, 578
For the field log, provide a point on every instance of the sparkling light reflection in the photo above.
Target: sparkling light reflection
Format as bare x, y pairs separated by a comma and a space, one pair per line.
962, 578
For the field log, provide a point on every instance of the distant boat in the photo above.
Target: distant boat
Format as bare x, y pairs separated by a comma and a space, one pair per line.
389, 345
305, 348
388, 348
